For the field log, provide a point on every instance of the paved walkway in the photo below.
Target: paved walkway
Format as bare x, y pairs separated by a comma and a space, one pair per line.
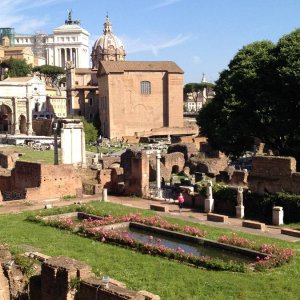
188, 214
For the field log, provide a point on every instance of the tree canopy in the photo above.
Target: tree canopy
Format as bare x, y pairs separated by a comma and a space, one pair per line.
52, 74
16, 67
257, 97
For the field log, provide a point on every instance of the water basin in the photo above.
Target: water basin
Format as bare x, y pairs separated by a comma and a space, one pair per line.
196, 249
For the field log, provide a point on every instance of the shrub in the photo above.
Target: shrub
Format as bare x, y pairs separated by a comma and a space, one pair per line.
257, 206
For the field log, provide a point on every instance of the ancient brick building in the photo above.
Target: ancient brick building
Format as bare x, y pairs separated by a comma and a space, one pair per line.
138, 96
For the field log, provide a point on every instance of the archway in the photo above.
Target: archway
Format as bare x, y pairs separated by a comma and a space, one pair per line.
5, 118
175, 169
23, 126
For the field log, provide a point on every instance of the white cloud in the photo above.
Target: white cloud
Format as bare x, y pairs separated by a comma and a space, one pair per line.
13, 13
153, 44
165, 3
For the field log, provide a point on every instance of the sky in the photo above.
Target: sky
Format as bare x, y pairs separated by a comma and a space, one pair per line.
201, 36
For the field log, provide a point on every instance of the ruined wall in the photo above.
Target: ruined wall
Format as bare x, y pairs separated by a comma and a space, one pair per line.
107, 161
169, 162
37, 181
42, 127
68, 279
8, 159
187, 149
208, 165
104, 178
136, 172
274, 174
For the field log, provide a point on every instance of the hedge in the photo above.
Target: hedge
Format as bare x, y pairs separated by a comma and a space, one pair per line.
258, 207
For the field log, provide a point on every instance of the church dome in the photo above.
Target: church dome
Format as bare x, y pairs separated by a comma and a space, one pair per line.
107, 46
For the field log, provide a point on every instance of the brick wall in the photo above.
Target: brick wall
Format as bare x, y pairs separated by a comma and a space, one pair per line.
60, 274
42, 181
274, 174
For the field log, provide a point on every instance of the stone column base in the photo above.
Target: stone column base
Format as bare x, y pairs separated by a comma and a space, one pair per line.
240, 211
104, 195
208, 205
277, 216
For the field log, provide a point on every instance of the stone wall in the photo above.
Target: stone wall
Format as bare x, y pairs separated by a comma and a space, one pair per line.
107, 161
169, 162
8, 159
135, 164
274, 174
41, 181
68, 279
187, 149
42, 127
210, 166
233, 177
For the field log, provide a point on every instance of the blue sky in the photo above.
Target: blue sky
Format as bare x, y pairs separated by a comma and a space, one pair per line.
201, 36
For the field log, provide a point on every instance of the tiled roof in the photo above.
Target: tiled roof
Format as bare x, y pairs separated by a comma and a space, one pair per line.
123, 66
17, 79
85, 71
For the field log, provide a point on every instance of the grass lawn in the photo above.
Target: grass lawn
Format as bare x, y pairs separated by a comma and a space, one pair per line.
28, 154
169, 279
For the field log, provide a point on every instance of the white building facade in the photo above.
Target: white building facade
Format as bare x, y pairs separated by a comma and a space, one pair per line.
68, 43
20, 98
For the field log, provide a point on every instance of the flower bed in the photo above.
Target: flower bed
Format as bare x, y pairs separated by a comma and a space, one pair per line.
272, 256
275, 256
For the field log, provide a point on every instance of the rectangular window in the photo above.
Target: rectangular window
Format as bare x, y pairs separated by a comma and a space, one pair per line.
145, 87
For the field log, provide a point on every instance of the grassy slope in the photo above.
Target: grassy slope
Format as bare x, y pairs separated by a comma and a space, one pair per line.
169, 279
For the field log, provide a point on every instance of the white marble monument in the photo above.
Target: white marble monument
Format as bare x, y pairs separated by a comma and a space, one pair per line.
209, 201
240, 208
73, 142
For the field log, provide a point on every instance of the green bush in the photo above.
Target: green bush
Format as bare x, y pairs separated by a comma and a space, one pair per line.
257, 207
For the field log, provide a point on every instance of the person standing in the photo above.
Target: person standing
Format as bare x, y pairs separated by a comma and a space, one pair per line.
180, 201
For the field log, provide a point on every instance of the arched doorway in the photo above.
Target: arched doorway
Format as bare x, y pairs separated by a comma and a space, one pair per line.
5, 118
175, 169
23, 126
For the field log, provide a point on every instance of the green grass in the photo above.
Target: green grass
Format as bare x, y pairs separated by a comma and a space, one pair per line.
170, 279
28, 154
104, 150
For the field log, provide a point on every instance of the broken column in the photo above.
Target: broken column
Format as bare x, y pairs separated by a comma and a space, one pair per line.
240, 208
209, 201
104, 195
72, 142
158, 176
277, 216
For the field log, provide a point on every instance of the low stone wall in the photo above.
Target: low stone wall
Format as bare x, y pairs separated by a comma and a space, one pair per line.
38, 181
66, 278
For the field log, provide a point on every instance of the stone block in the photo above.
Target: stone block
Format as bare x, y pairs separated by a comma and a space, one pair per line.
254, 225
217, 218
158, 207
291, 232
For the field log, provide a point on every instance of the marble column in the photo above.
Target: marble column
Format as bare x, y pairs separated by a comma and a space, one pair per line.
29, 116
158, 177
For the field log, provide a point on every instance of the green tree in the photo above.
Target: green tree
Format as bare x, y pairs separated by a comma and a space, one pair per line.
91, 132
16, 67
257, 96
52, 74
